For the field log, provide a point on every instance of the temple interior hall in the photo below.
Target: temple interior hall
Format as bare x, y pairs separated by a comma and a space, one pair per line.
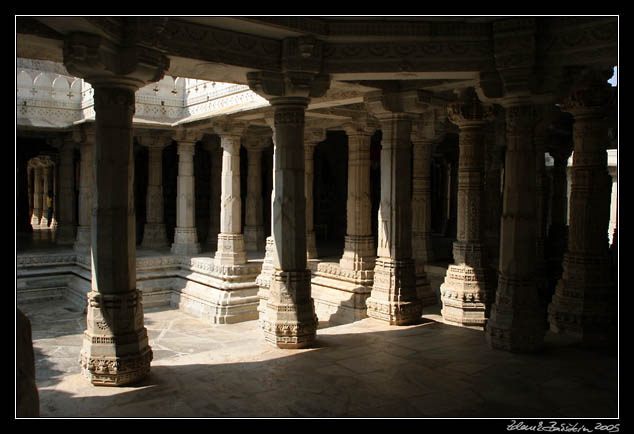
410, 217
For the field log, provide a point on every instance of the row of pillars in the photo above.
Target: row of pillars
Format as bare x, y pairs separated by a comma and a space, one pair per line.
116, 348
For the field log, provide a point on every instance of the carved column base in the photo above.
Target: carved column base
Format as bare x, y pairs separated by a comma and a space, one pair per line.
264, 278
584, 304
254, 240
517, 322
154, 236
65, 233
83, 240
464, 296
116, 347
35, 221
359, 253
231, 249
290, 320
185, 242
393, 298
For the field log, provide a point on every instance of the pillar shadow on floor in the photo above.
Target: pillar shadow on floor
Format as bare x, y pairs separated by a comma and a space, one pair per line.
364, 369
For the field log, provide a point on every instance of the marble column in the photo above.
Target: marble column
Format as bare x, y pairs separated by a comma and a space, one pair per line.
231, 249
426, 132
585, 301
289, 319
116, 348
557, 240
254, 238
86, 139
540, 137
212, 144
154, 234
312, 137
66, 209
494, 165
517, 321
393, 298
185, 233
359, 252
46, 193
37, 194
465, 291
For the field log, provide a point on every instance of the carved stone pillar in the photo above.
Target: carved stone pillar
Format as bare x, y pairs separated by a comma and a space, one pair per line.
517, 319
116, 347
465, 292
154, 235
540, 138
426, 132
37, 194
558, 229
584, 304
290, 320
393, 298
46, 193
254, 238
494, 164
66, 209
86, 139
311, 138
231, 249
212, 144
185, 234
359, 252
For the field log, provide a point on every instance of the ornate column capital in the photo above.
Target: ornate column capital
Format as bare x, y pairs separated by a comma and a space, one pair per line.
590, 94
187, 135
276, 87
408, 102
361, 127
85, 134
430, 126
468, 110
101, 62
257, 142
313, 136
154, 140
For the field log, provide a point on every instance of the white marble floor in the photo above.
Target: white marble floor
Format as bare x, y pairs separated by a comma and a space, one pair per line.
360, 370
